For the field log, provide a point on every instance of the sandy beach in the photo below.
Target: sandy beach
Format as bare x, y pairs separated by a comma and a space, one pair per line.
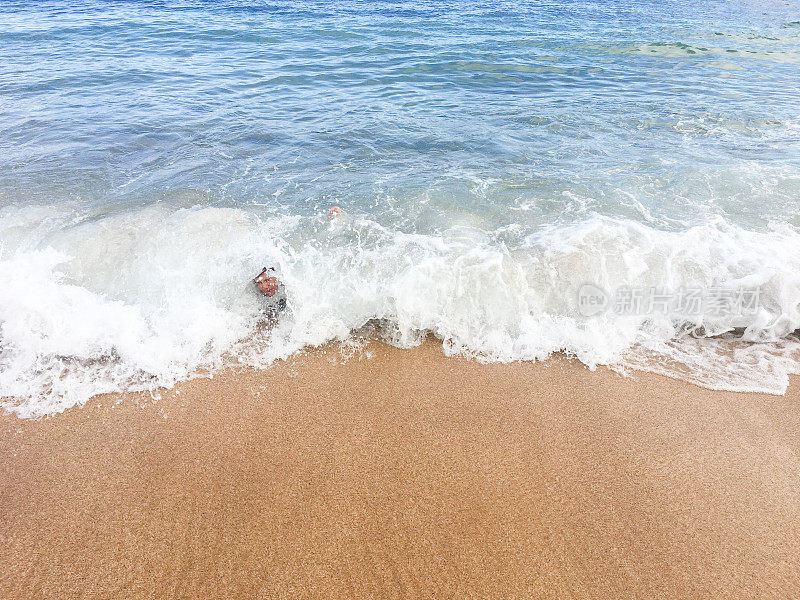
406, 474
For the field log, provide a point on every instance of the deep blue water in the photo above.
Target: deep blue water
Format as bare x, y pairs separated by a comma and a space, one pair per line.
479, 106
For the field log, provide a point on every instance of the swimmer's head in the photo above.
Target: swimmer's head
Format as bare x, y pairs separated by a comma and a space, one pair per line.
266, 282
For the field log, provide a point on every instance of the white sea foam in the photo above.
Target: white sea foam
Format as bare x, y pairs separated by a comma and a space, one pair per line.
144, 299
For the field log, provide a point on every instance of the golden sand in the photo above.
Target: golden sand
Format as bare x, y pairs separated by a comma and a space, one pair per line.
406, 475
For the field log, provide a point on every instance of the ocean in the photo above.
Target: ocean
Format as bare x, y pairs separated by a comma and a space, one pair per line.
614, 180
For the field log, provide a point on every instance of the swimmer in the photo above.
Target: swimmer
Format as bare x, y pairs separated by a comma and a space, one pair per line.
339, 219
272, 289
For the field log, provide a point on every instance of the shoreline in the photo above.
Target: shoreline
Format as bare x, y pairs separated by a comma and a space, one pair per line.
407, 474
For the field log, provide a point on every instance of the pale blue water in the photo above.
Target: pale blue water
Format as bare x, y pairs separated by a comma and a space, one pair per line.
484, 106
508, 150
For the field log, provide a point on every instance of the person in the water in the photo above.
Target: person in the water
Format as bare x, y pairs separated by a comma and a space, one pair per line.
273, 290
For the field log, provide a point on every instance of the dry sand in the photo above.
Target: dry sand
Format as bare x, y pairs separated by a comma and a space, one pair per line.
407, 475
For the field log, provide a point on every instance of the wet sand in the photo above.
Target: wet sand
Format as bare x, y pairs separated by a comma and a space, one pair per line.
406, 475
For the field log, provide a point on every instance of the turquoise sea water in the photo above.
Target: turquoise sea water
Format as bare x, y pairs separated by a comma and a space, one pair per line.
493, 157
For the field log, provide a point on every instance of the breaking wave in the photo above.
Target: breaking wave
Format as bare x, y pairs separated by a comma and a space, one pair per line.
144, 299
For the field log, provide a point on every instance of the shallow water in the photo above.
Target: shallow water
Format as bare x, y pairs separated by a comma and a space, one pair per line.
493, 158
